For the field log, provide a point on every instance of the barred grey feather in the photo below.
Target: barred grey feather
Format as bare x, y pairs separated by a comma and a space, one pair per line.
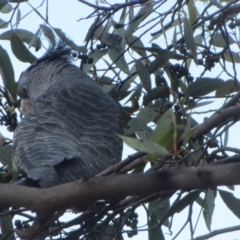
71, 129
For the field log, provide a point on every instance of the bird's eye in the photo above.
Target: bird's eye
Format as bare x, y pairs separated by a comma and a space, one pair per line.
22, 92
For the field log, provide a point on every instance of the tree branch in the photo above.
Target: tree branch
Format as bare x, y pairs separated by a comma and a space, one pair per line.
118, 186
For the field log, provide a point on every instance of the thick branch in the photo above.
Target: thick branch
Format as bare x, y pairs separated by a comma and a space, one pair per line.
118, 186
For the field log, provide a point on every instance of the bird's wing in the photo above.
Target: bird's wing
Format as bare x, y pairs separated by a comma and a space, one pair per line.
72, 129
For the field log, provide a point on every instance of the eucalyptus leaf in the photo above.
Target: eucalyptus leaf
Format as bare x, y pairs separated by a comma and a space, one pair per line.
203, 86
155, 233
177, 207
20, 51
189, 39
143, 75
209, 204
231, 201
25, 35
7, 8
145, 116
8, 72
164, 131
3, 24
120, 62
232, 56
220, 41
229, 86
145, 146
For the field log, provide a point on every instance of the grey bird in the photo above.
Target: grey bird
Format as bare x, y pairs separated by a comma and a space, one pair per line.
70, 131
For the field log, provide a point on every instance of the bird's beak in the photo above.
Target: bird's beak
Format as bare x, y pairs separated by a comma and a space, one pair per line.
25, 105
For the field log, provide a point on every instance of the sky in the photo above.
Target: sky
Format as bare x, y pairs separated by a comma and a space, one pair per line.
65, 15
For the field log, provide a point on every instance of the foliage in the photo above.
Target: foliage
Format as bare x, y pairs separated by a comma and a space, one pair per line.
192, 56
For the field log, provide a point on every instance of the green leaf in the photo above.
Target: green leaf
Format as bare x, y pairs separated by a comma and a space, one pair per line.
20, 51
229, 86
8, 73
220, 41
6, 8
156, 93
6, 157
183, 203
145, 146
164, 131
209, 204
232, 202
203, 86
145, 116
155, 234
160, 208
25, 35
3, 3
189, 39
143, 75
158, 62
3, 24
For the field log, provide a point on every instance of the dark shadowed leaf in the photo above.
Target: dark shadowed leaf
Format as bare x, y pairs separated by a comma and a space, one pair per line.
203, 86
158, 62
183, 203
5, 156
209, 204
3, 3
20, 51
232, 202
6, 8
145, 146
3, 24
7, 227
160, 208
229, 86
156, 233
231, 56
143, 75
156, 93
189, 39
8, 73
